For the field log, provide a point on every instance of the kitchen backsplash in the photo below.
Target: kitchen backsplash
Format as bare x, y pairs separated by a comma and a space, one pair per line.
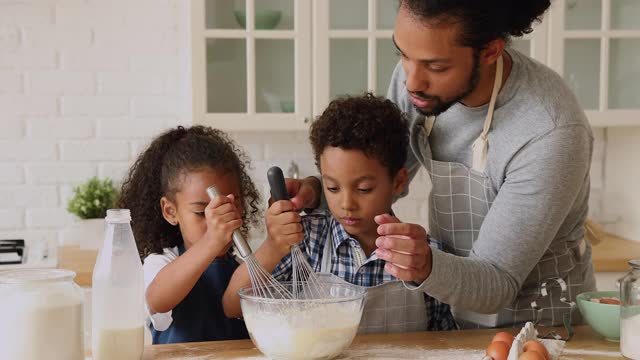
85, 84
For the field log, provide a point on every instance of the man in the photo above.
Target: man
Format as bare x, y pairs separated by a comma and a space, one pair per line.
508, 151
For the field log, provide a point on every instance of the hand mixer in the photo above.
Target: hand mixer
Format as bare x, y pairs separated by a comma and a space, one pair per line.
262, 282
305, 282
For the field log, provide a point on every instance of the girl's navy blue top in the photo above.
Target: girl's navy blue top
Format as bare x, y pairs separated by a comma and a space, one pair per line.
200, 316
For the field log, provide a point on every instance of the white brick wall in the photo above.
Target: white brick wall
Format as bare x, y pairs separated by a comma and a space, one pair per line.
10, 82
84, 85
12, 174
10, 219
60, 83
94, 150
59, 128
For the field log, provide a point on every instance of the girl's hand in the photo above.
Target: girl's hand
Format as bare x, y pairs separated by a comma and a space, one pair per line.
283, 226
222, 219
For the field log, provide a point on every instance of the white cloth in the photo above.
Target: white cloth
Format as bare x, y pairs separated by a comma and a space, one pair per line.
152, 265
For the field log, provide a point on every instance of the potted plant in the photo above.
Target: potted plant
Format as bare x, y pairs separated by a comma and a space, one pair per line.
89, 204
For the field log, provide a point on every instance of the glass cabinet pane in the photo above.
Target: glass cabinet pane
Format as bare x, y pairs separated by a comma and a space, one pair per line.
226, 75
387, 11
351, 14
583, 14
625, 14
223, 14
522, 45
274, 14
386, 61
274, 76
582, 70
624, 74
347, 66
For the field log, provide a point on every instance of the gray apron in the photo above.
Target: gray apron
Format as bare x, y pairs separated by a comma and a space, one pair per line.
459, 201
388, 307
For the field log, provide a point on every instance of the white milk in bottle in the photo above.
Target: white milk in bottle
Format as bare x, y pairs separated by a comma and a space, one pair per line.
118, 293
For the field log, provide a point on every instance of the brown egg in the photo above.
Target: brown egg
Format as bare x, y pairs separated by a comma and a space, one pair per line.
534, 345
503, 336
531, 355
498, 350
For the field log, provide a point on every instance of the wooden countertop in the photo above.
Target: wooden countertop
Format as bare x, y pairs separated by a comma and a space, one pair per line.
467, 344
614, 253
79, 260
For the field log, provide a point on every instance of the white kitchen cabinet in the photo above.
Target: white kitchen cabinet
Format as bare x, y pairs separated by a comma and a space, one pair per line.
253, 77
595, 46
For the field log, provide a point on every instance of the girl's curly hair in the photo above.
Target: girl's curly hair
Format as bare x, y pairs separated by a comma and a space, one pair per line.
158, 171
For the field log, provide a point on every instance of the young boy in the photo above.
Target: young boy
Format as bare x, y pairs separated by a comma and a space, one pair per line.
359, 146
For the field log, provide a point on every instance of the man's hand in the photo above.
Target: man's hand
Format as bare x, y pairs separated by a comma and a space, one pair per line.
305, 193
405, 249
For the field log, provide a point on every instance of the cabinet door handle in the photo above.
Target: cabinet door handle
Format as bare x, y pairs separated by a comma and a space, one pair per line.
306, 120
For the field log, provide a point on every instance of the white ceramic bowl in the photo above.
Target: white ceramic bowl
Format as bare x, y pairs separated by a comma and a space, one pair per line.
304, 329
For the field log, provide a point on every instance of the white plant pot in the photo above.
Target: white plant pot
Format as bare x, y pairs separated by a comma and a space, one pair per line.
88, 234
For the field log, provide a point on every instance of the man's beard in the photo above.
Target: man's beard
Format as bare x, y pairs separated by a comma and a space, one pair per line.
442, 106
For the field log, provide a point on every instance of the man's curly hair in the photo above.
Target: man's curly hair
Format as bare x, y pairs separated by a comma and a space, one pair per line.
368, 123
158, 172
481, 21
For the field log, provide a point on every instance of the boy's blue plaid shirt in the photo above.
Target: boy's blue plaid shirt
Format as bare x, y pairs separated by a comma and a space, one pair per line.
350, 263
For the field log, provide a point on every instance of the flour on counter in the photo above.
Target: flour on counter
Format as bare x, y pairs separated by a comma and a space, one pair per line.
615, 354
399, 352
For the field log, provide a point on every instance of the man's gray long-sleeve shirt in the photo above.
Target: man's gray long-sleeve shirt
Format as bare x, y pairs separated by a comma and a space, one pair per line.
539, 155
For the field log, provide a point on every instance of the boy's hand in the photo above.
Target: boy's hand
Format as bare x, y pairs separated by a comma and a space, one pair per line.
405, 249
222, 219
283, 226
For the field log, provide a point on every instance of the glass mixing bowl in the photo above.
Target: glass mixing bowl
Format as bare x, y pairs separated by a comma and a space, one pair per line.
286, 329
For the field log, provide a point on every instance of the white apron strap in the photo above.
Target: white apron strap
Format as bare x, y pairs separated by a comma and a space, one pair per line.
480, 146
325, 263
428, 124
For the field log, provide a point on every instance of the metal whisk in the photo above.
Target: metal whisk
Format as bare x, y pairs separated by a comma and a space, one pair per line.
305, 283
262, 282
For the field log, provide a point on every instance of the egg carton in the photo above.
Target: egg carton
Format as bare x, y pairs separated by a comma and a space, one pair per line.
529, 332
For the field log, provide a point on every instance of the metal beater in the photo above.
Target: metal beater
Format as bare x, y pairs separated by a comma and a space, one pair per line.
263, 283
305, 283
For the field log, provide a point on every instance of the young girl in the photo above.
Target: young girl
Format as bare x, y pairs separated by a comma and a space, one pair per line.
183, 236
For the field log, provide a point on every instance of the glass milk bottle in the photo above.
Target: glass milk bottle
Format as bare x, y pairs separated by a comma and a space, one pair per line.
630, 312
118, 293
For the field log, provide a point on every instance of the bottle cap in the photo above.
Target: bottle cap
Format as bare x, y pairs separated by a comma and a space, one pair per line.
118, 216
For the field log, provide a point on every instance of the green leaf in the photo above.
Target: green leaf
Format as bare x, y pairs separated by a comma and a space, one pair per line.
93, 198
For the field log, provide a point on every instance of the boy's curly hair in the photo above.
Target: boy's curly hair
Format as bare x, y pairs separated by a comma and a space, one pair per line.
368, 123
158, 171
